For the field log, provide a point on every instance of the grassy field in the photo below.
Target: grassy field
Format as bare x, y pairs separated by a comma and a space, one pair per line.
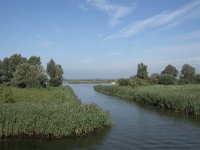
53, 112
178, 98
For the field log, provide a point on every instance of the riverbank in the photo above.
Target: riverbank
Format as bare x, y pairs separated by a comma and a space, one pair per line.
48, 113
178, 98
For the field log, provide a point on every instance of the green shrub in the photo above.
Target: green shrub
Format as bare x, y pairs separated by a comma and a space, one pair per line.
123, 82
134, 82
166, 79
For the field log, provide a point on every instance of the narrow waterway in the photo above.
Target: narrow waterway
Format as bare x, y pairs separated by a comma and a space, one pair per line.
135, 126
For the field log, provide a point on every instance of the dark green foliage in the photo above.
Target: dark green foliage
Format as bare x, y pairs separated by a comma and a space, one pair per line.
1, 71
47, 113
55, 73
142, 71
23, 72
178, 98
188, 72
28, 75
135, 81
197, 79
34, 60
154, 78
166, 79
123, 82
171, 70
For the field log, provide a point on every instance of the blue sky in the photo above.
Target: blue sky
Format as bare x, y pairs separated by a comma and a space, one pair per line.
103, 38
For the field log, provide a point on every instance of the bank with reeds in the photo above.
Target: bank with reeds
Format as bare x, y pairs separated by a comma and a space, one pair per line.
177, 98
47, 113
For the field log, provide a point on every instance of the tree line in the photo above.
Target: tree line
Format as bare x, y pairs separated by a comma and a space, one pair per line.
170, 75
25, 72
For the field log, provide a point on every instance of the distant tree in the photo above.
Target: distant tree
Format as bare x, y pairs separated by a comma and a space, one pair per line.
27, 75
188, 72
166, 79
169, 69
142, 71
134, 82
55, 73
154, 78
197, 79
123, 82
1, 71
6, 71
34, 60
9, 66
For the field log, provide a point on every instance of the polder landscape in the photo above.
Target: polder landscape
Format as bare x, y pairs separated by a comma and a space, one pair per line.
99, 74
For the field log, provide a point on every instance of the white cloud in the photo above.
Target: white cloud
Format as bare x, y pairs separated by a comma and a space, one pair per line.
115, 11
160, 20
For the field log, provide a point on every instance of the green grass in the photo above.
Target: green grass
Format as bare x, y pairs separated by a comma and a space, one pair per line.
53, 112
178, 98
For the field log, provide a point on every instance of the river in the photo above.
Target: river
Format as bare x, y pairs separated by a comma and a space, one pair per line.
135, 126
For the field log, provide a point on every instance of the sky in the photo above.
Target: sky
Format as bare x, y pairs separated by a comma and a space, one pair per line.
103, 38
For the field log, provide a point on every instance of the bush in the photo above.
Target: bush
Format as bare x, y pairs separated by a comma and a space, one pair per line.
123, 82
166, 79
134, 82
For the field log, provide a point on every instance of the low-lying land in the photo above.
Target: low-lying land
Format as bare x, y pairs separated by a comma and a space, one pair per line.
86, 81
46, 113
178, 98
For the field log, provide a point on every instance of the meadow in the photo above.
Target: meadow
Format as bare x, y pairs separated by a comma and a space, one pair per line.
53, 112
181, 98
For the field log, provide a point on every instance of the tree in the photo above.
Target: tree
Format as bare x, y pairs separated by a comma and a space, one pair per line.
55, 73
169, 69
123, 82
1, 71
142, 71
166, 79
197, 78
34, 60
9, 66
188, 72
27, 75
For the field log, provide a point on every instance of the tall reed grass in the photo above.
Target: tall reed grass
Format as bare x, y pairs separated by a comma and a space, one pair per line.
178, 98
53, 112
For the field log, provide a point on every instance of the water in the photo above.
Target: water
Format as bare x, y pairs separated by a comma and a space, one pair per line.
135, 126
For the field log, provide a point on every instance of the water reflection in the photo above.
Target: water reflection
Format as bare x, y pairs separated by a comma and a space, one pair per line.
88, 142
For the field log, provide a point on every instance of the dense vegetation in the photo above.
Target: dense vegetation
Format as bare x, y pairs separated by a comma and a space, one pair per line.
28, 72
184, 98
169, 76
169, 89
47, 112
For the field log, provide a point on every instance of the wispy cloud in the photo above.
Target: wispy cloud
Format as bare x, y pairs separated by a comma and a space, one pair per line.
115, 11
189, 36
163, 19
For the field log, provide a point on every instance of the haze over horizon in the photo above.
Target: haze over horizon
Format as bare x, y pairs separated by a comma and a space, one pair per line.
103, 38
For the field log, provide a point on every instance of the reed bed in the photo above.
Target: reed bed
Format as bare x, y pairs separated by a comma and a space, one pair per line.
175, 97
49, 113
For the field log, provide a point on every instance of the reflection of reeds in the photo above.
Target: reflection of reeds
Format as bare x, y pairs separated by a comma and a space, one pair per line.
55, 112
178, 98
